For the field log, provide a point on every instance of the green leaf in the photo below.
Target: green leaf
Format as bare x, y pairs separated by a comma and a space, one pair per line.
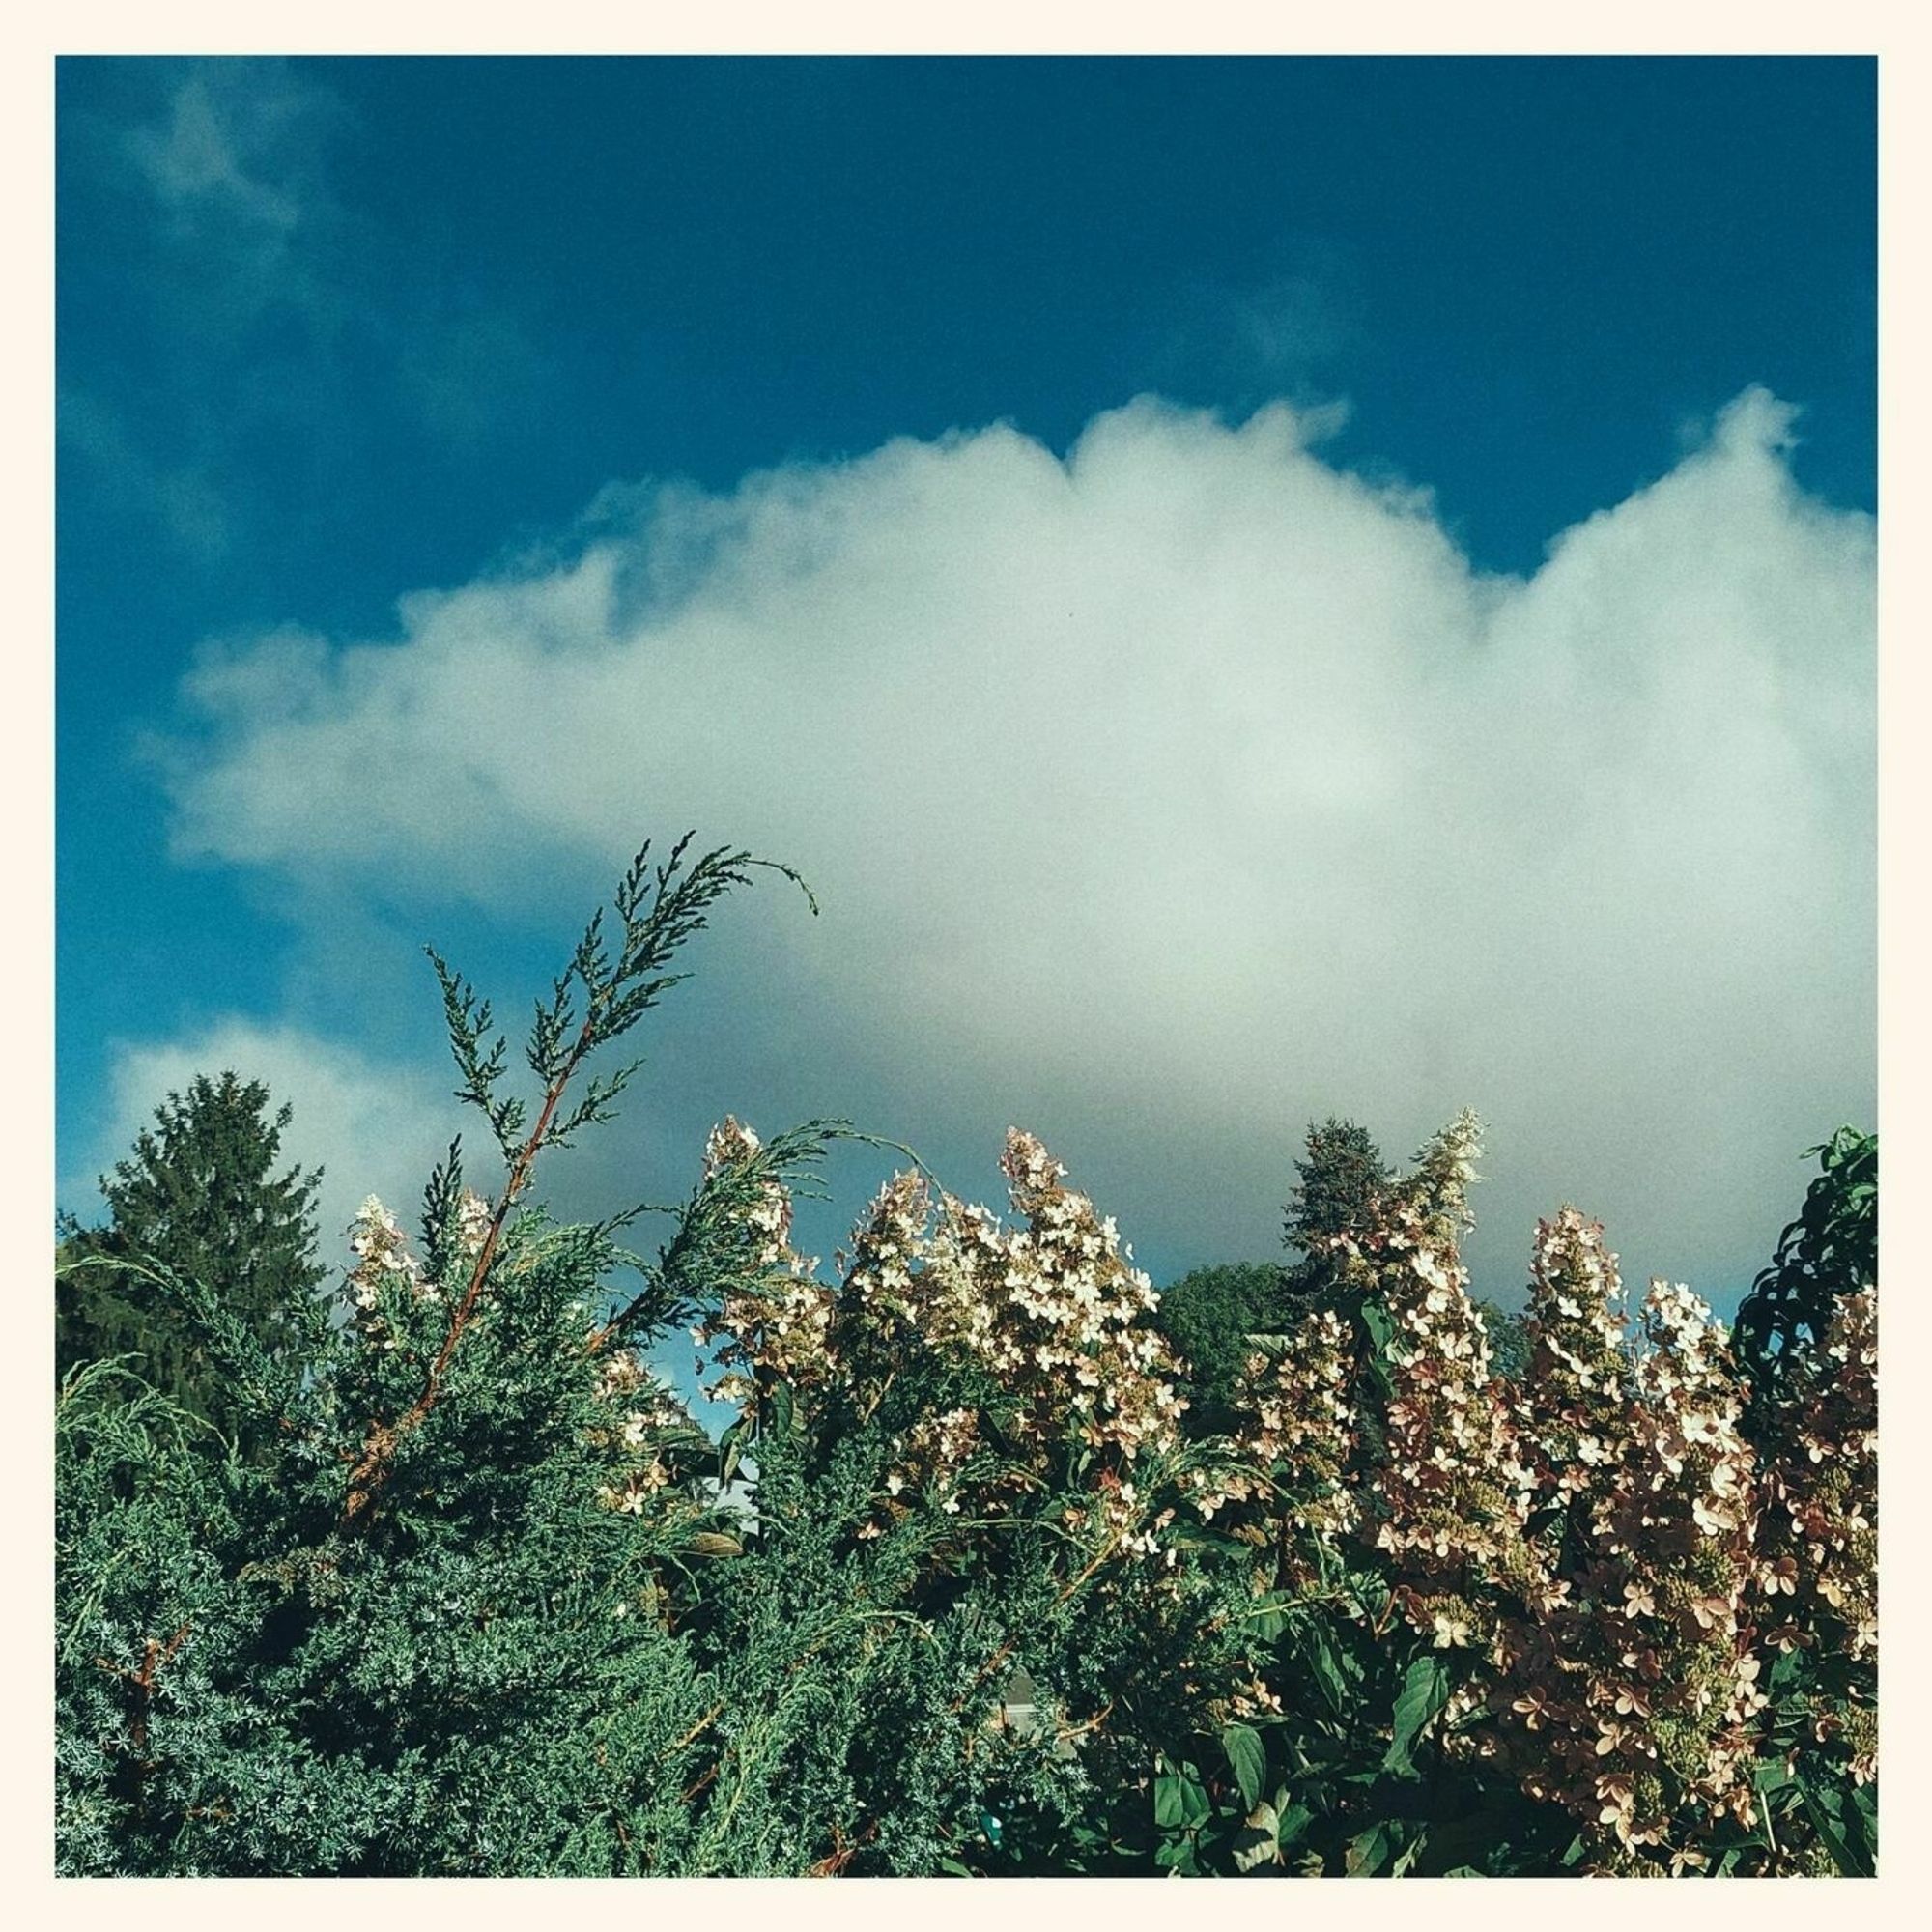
1411, 1852
1247, 1760
1369, 1852
1380, 1325
1824, 1805
1324, 1665
1424, 1692
1259, 1840
1295, 1820
1864, 1814
778, 1418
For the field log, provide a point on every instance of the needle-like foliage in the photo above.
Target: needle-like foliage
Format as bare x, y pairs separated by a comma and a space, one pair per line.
962, 1588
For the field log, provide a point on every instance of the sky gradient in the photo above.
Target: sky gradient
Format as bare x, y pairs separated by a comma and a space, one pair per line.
1251, 589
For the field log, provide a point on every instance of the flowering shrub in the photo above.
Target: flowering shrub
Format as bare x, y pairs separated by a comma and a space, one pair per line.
957, 1592
1589, 1586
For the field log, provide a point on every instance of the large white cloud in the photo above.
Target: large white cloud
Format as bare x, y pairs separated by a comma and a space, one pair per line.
1169, 794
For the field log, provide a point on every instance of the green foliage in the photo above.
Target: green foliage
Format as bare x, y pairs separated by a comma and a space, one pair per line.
1828, 1252
1209, 1316
1336, 1194
459, 1588
199, 1196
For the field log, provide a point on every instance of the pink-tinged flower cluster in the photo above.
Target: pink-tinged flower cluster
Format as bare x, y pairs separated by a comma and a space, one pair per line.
892, 1300
387, 1283
1817, 1548
1051, 1310
775, 1321
645, 1416
1627, 1687
1597, 1545
1452, 1495
1066, 1319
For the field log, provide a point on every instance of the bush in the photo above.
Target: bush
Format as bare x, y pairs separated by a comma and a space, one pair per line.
965, 1588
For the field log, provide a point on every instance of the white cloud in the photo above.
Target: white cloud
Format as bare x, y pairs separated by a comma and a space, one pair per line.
1173, 793
371, 1129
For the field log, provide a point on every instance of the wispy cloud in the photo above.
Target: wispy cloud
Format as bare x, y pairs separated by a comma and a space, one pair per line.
1169, 794
240, 304
237, 159
1279, 332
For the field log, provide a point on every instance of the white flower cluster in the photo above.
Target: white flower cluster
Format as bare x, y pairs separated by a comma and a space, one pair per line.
646, 1414
1299, 1427
1817, 1573
1626, 1682
1052, 1308
1454, 1493
386, 1279
775, 1319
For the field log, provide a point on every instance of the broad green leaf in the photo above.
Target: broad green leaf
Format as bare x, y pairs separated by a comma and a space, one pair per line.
1179, 1801
1864, 1817
1318, 1651
1424, 1692
777, 1421
1247, 1760
1294, 1821
1369, 1852
1824, 1805
1259, 1840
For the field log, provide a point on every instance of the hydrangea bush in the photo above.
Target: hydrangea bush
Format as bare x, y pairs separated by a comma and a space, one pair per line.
957, 1593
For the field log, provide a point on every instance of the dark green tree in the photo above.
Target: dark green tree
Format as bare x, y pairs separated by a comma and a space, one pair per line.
1828, 1252
199, 1194
1209, 1316
1509, 1340
1335, 1195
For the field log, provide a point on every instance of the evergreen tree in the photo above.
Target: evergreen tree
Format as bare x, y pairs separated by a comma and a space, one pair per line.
489, 1602
1340, 1185
1509, 1340
200, 1195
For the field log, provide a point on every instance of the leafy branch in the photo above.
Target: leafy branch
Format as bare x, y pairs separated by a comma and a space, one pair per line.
602, 994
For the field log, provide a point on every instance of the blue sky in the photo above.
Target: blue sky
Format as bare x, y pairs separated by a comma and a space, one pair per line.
1255, 588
